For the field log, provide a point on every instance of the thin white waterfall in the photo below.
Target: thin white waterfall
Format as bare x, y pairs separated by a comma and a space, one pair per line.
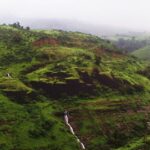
71, 129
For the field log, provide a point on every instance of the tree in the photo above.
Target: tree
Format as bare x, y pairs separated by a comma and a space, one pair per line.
28, 28
16, 25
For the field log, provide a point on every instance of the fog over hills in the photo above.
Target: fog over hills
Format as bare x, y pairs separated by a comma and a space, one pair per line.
100, 17
75, 25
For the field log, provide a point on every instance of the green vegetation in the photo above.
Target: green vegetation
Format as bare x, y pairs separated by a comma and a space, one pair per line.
43, 73
32, 126
143, 53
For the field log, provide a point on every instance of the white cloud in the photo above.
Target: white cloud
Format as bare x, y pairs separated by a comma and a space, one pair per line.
122, 13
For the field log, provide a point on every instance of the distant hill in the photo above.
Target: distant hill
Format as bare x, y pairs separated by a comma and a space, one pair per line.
143, 53
128, 43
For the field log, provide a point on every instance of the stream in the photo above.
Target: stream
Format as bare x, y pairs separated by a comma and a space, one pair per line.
71, 129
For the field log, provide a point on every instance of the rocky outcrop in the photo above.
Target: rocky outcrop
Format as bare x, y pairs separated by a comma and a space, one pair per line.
116, 83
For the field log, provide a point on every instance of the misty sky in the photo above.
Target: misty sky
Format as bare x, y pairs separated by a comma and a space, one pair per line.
132, 14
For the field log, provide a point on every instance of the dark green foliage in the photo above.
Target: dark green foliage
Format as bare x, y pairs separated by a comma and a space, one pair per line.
17, 25
16, 38
130, 45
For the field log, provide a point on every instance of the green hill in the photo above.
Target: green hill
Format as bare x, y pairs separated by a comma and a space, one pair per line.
44, 73
143, 53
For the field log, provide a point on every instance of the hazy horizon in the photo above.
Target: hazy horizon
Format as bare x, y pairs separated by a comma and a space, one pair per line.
125, 14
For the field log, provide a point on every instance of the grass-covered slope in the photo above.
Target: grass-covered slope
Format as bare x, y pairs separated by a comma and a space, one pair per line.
32, 127
143, 53
43, 73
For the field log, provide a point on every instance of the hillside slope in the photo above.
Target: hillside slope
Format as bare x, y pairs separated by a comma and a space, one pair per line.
143, 53
44, 73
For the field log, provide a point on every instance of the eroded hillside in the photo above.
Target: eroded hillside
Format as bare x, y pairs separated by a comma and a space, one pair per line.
44, 73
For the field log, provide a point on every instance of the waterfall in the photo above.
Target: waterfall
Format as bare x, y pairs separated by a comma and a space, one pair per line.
71, 129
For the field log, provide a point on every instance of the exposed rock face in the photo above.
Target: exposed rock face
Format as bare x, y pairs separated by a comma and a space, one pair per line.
21, 96
116, 83
58, 84
57, 90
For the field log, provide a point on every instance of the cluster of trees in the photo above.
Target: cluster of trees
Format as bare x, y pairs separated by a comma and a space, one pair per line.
15, 46
17, 55
130, 45
18, 26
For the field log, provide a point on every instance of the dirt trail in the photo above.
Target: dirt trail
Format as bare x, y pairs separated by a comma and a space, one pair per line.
71, 129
